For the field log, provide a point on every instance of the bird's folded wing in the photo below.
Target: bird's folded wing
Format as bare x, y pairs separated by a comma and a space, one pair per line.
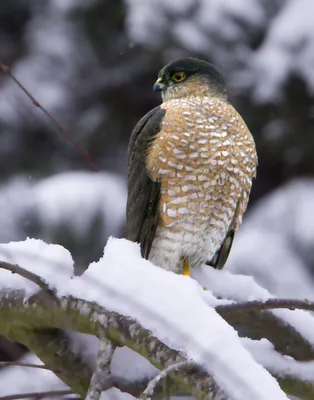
143, 192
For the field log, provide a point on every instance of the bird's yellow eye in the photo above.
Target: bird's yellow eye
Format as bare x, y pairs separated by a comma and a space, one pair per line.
178, 76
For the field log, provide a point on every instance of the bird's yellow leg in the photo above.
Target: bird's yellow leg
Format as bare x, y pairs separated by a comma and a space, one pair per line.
186, 267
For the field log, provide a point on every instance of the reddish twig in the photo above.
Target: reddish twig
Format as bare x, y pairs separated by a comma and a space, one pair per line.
5, 69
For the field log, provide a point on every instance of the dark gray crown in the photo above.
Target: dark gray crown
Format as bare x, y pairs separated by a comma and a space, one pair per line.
193, 66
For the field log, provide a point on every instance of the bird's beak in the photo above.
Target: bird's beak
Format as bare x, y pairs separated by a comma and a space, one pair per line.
159, 86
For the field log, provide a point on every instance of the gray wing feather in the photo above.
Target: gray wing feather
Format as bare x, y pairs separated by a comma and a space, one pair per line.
220, 258
143, 192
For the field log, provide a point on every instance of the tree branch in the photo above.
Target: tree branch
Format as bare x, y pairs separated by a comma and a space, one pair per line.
90, 318
183, 367
295, 386
5, 69
37, 395
269, 304
32, 322
52, 347
16, 269
264, 324
99, 381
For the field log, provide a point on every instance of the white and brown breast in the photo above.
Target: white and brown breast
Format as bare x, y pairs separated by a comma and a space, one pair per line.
205, 158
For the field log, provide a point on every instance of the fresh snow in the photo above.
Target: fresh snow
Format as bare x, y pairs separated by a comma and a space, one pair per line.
86, 347
180, 324
175, 308
287, 49
146, 19
76, 198
275, 242
243, 288
70, 199
264, 353
19, 380
52, 262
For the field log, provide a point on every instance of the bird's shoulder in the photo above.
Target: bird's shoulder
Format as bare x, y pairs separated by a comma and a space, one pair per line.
143, 192
145, 129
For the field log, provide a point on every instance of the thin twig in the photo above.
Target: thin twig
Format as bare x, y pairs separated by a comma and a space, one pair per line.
5, 69
178, 367
48, 294
37, 395
28, 365
269, 304
16, 269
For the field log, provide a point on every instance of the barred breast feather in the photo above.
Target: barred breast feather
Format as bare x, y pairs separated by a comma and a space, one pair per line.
204, 158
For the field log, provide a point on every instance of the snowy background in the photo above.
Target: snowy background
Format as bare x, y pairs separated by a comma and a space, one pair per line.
92, 64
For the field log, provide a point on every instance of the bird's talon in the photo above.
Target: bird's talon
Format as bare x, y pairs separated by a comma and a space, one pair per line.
186, 267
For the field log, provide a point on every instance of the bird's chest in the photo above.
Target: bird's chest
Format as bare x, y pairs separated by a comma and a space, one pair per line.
188, 158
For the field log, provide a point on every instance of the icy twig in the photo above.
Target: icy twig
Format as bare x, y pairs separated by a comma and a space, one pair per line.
5, 69
99, 381
183, 367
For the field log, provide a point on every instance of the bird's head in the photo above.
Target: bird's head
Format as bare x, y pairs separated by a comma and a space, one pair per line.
190, 77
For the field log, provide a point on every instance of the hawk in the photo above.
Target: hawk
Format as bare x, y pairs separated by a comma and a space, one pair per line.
191, 162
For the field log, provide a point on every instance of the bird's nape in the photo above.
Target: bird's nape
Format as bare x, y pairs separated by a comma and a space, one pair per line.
186, 76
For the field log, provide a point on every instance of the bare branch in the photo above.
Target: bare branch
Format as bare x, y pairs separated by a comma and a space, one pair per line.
99, 381
183, 367
5, 69
264, 324
37, 395
269, 304
16, 269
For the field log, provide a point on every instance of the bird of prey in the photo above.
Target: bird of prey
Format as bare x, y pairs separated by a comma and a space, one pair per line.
191, 161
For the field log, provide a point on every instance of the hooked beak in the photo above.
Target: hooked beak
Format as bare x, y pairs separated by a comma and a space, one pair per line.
159, 86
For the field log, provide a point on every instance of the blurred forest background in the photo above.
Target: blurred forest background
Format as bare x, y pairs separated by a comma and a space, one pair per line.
92, 64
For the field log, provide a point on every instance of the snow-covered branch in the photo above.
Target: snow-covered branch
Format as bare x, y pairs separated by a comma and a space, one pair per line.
168, 319
183, 367
89, 318
262, 324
